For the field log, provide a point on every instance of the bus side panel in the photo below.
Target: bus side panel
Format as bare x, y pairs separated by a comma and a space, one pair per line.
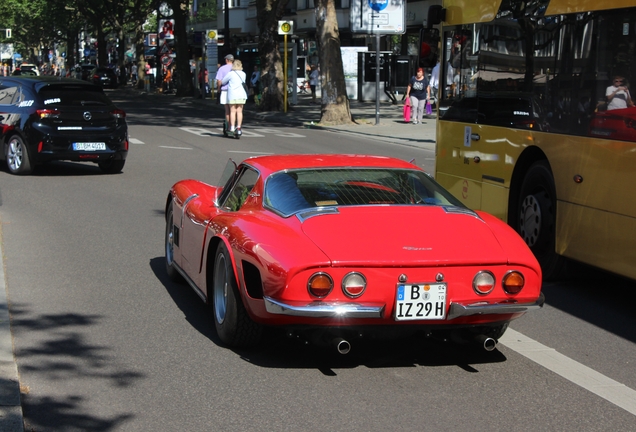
476, 167
597, 238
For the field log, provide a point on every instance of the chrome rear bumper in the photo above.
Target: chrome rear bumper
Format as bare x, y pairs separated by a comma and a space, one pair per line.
319, 309
325, 309
457, 310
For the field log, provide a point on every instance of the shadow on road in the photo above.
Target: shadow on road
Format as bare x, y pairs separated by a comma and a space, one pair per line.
64, 354
597, 297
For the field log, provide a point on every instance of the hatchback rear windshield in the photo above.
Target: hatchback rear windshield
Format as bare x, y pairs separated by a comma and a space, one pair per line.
73, 96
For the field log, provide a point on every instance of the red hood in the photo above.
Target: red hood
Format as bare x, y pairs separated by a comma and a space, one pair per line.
408, 236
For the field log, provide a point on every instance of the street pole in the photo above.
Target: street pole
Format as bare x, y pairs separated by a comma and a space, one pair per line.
285, 73
377, 79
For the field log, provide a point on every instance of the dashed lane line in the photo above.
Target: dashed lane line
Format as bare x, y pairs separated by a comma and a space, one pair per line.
573, 371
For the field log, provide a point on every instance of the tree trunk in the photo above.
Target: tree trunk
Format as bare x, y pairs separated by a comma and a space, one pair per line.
334, 99
183, 82
268, 13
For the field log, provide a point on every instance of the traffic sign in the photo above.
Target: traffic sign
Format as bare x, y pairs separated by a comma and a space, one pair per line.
285, 27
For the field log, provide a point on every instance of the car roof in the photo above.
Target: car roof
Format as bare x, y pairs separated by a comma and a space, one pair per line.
37, 82
272, 163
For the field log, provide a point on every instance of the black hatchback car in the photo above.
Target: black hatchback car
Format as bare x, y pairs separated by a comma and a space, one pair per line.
104, 77
50, 118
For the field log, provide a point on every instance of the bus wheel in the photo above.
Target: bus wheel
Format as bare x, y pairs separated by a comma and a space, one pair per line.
536, 218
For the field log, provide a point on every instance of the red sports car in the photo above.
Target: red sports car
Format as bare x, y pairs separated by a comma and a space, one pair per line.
332, 248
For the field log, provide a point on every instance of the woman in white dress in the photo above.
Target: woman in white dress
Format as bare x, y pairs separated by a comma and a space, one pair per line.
236, 96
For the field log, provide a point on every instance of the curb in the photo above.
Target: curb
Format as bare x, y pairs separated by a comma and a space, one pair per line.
11, 416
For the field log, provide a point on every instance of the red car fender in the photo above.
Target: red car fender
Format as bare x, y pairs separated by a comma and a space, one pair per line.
519, 254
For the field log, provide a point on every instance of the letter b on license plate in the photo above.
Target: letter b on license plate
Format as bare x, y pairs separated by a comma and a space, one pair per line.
421, 301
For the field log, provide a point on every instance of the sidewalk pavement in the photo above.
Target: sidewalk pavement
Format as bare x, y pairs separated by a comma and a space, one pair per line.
386, 124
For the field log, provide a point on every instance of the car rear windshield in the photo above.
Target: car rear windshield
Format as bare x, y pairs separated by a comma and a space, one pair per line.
295, 190
61, 95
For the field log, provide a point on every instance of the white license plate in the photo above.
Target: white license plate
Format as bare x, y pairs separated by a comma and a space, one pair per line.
420, 301
89, 146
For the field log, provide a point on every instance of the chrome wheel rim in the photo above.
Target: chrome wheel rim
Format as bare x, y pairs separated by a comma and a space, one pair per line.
220, 289
14, 155
169, 241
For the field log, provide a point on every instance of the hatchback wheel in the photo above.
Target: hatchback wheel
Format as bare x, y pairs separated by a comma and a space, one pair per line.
18, 156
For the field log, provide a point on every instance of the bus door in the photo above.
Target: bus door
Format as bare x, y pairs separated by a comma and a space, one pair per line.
456, 158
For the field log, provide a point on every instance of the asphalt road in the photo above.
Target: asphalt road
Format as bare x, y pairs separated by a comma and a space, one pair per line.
105, 342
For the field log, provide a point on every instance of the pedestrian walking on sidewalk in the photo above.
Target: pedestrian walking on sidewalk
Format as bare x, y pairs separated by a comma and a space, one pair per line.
419, 92
314, 76
236, 96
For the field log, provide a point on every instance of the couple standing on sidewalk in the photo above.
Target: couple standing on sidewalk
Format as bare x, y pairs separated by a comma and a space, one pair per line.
230, 83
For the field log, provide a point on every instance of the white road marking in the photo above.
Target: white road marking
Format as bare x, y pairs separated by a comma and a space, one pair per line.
199, 131
248, 152
177, 148
581, 375
135, 141
249, 133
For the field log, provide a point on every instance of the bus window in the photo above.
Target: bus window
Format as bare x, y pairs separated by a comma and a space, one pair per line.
458, 73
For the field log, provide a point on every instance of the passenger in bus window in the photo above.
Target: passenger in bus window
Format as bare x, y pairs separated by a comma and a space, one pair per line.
617, 94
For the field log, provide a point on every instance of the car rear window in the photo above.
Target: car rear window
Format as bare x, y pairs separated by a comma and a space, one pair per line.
73, 96
295, 190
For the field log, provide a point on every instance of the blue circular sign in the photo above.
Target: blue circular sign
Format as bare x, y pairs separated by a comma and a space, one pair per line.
378, 5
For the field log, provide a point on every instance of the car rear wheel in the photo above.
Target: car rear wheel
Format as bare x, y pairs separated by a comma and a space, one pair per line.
112, 166
536, 218
18, 156
233, 325
171, 268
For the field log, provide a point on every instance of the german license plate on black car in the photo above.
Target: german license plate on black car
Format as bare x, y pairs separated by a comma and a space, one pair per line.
89, 146
420, 301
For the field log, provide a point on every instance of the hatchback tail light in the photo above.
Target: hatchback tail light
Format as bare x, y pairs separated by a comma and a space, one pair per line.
354, 284
320, 285
47, 113
483, 282
117, 113
513, 282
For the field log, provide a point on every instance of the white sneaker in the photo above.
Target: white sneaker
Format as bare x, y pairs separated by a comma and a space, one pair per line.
239, 132
414, 121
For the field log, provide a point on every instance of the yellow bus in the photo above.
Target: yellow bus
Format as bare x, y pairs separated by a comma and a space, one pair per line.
537, 125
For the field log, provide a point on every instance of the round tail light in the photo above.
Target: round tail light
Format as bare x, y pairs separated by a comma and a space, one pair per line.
320, 284
513, 282
484, 282
354, 284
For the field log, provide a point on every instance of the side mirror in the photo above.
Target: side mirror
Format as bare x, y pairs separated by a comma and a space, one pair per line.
436, 14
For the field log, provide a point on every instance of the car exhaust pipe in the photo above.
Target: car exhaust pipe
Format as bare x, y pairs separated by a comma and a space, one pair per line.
342, 345
488, 343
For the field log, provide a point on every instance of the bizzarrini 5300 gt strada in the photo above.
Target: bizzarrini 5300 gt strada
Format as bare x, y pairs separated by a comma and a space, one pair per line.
334, 247
50, 118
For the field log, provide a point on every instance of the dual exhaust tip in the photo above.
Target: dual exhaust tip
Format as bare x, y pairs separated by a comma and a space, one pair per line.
489, 344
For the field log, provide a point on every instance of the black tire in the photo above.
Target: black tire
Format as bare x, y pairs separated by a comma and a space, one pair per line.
112, 166
17, 157
171, 268
225, 134
233, 325
535, 218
